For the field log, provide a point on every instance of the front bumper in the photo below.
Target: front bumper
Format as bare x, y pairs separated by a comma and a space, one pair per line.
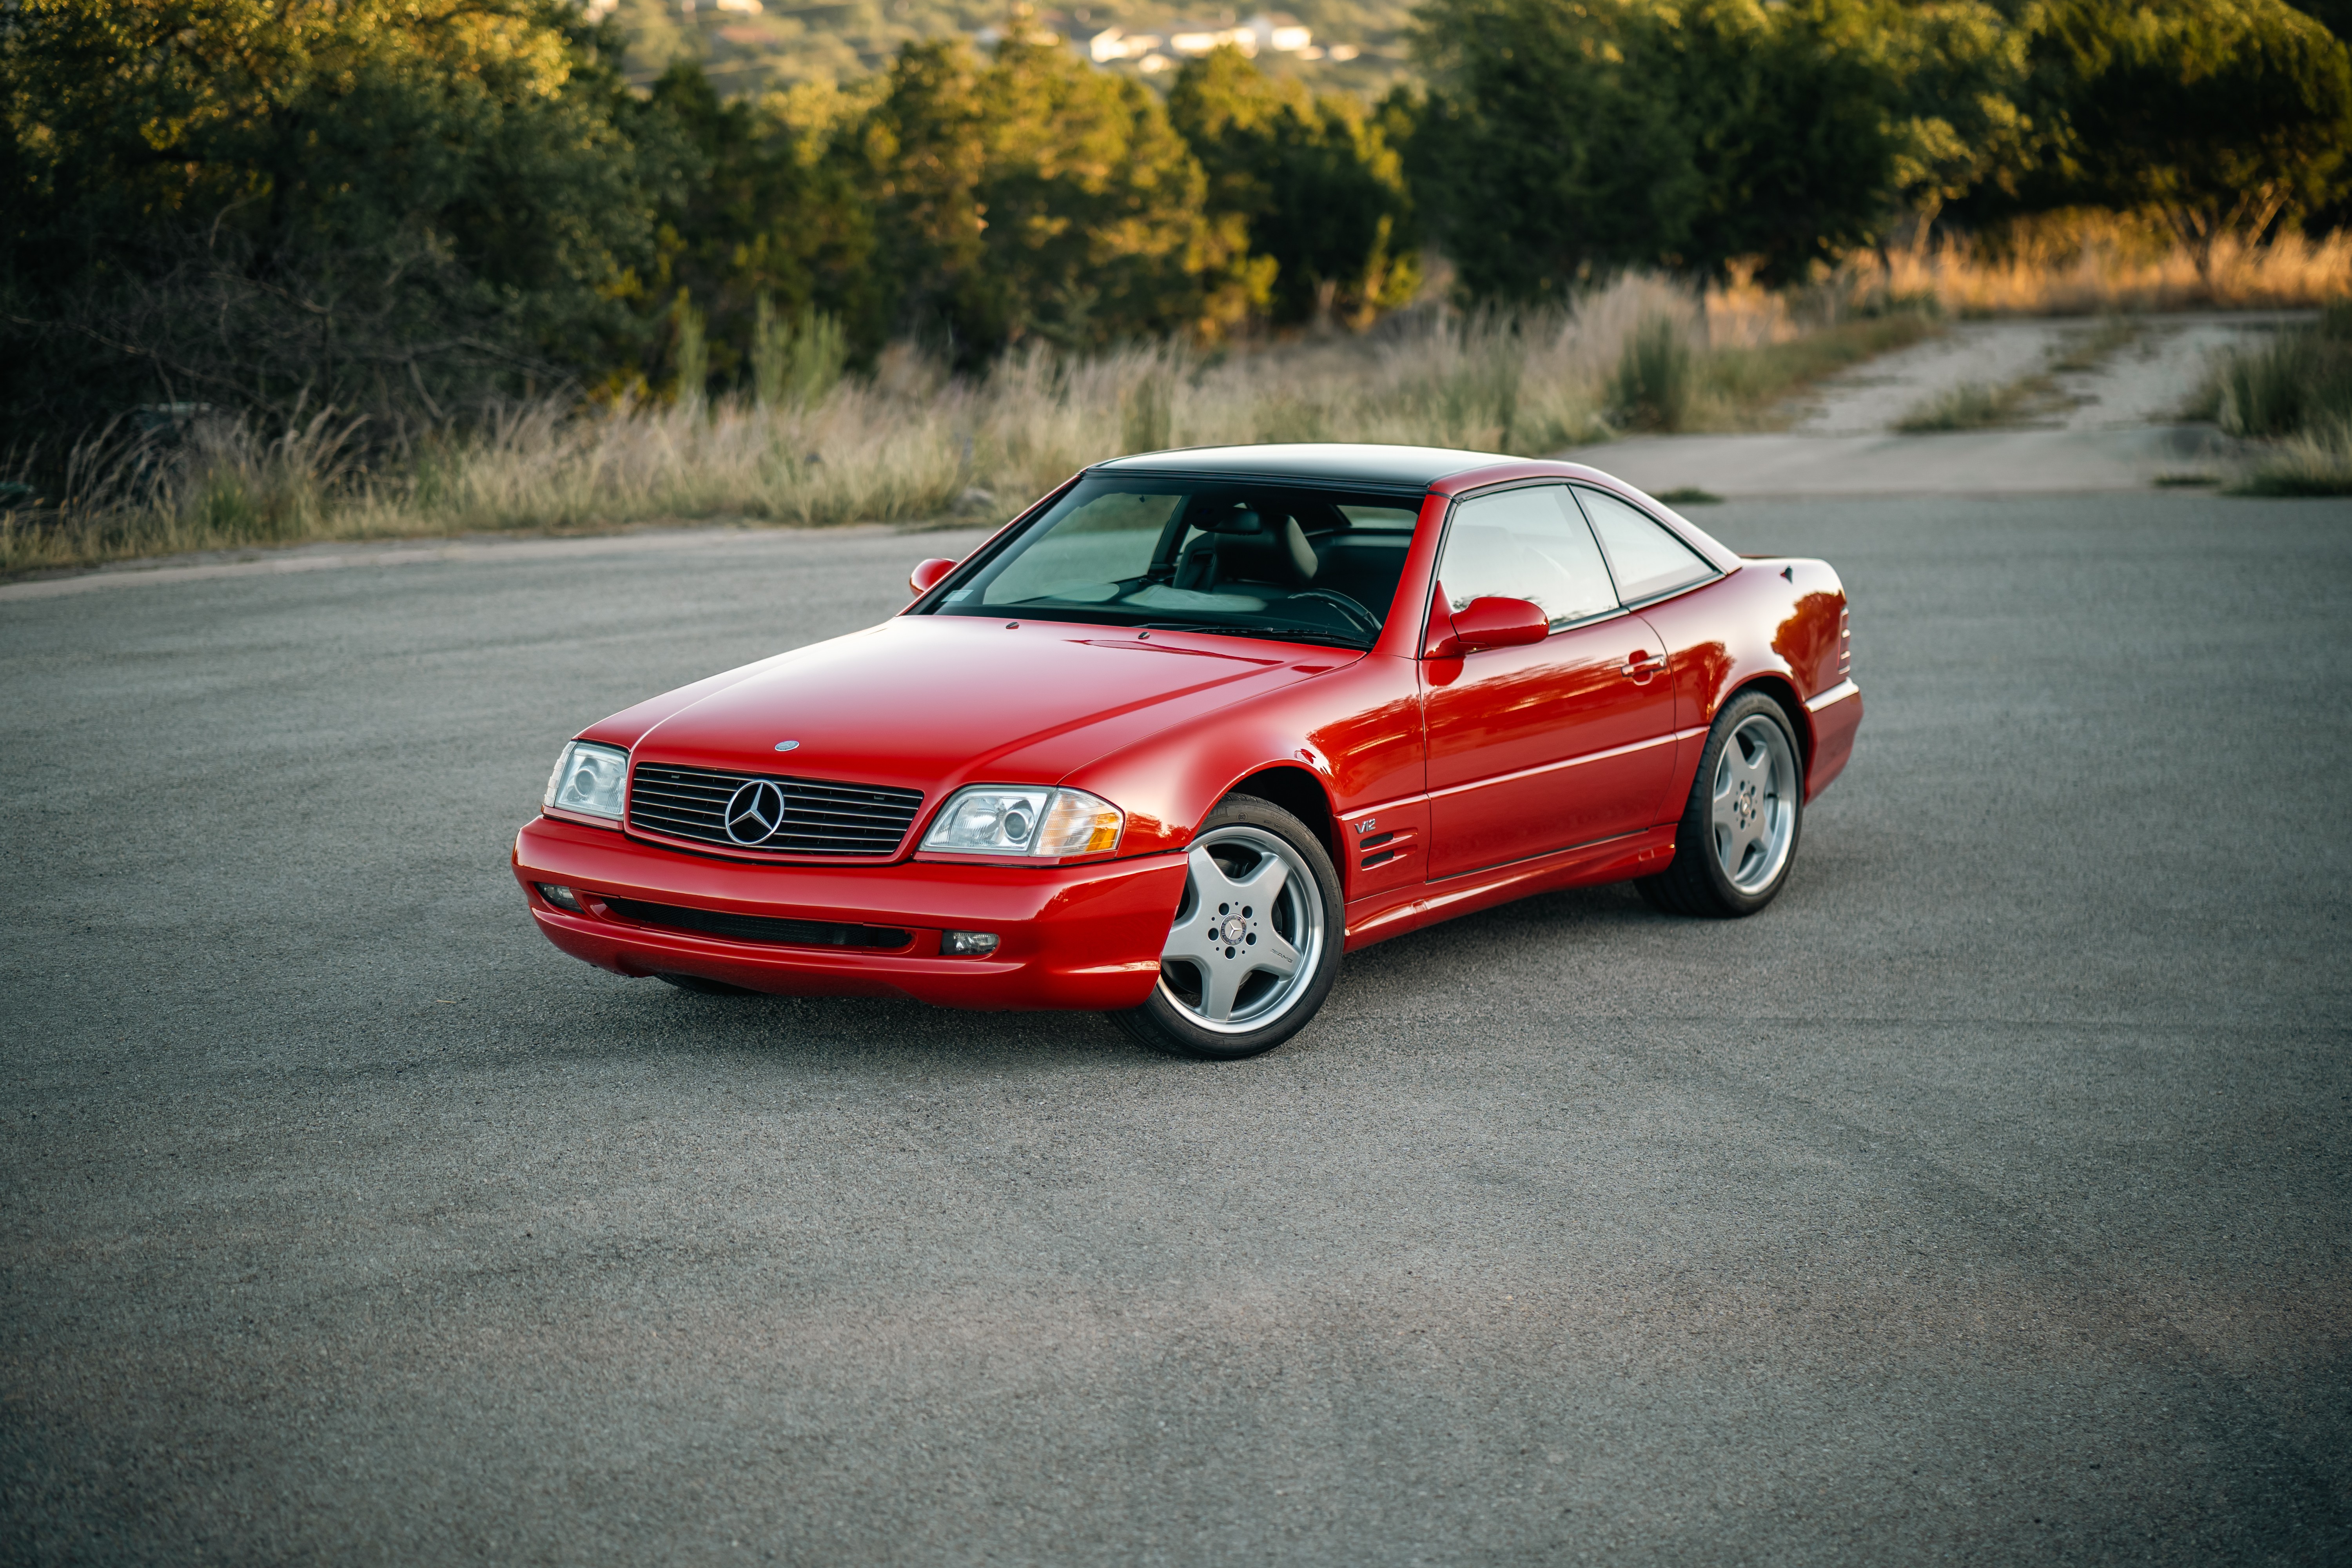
1082, 936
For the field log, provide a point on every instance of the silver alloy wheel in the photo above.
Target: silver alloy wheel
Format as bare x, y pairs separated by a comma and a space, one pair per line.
1754, 816
1247, 934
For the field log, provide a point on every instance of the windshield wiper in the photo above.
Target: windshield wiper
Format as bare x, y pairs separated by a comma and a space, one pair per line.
1254, 630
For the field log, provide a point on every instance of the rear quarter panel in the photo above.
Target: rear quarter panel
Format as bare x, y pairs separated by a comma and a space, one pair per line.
1772, 623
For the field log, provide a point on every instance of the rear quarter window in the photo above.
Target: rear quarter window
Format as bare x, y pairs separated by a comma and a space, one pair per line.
1645, 557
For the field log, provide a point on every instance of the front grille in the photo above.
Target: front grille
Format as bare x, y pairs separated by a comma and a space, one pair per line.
760, 928
817, 817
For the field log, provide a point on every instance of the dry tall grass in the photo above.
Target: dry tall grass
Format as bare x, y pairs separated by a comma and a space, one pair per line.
2293, 398
907, 443
2093, 263
2316, 460
910, 443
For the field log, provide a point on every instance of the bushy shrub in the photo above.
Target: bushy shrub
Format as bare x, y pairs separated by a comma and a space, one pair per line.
1655, 377
2296, 393
2295, 380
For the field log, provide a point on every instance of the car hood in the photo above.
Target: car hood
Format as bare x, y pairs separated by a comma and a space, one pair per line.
931, 702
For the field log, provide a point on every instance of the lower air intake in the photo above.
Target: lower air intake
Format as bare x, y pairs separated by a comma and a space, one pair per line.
760, 928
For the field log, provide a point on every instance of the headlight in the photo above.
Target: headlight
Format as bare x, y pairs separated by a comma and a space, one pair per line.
588, 779
1042, 823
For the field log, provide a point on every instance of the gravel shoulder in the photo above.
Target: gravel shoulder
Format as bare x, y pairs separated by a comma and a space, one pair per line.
2116, 421
2149, 379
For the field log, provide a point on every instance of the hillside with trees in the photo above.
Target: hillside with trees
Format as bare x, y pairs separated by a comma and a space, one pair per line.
417, 212
759, 46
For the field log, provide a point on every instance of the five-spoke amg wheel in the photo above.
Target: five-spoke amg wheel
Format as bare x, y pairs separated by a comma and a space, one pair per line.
1739, 833
1255, 941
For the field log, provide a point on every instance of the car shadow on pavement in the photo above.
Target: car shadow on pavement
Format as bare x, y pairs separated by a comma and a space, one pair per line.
895, 1036
1590, 912
878, 1034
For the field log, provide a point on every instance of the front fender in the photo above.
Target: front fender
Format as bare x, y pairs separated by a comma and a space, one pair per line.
1355, 731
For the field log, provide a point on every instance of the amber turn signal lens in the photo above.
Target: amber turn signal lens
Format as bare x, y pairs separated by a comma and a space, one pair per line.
1077, 823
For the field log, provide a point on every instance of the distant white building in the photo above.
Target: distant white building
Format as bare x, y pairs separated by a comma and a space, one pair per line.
1260, 34
1118, 44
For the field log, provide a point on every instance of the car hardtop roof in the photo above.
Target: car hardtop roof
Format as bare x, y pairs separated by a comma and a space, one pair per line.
1439, 468
1322, 462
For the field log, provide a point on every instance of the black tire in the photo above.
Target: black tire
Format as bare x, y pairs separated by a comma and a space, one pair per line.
701, 987
1697, 881
1177, 1020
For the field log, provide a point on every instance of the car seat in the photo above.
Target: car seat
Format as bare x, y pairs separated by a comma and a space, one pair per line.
1245, 546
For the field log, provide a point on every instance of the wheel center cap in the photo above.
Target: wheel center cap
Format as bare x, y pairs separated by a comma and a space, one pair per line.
1234, 929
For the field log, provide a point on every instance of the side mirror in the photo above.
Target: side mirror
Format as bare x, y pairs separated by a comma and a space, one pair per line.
926, 577
1498, 623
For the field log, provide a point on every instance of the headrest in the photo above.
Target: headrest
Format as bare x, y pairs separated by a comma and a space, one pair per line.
1237, 520
1262, 550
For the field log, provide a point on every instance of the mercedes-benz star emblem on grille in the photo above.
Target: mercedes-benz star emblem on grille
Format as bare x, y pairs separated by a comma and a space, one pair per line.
754, 812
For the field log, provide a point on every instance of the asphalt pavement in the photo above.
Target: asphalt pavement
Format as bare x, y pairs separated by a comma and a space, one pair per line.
1985, 1199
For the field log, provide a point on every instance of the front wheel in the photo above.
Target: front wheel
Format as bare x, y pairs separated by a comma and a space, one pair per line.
1254, 944
1738, 832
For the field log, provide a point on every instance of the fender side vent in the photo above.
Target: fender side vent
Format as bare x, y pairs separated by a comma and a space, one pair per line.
1382, 858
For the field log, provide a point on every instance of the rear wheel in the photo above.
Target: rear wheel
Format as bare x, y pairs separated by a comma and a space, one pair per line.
1738, 832
1254, 944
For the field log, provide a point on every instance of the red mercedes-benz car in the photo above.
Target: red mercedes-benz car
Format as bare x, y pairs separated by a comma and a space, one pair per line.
1198, 722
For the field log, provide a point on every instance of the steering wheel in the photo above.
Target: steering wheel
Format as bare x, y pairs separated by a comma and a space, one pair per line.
1362, 619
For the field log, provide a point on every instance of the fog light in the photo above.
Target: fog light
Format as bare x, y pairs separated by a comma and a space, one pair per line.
562, 897
967, 943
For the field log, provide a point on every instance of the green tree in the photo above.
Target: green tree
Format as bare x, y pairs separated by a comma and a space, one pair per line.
1551, 145
1035, 196
379, 204
2224, 117
1322, 192
1962, 73
1796, 129
759, 207
2336, 16
1559, 140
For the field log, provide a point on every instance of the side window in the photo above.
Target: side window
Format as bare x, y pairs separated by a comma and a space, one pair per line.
1647, 558
1526, 543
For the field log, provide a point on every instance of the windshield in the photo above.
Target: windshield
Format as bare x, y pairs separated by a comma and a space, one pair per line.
1284, 562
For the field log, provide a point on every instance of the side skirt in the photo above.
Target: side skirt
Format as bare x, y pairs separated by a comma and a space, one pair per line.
1383, 915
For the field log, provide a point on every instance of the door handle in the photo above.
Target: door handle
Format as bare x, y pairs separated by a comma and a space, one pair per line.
1640, 665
